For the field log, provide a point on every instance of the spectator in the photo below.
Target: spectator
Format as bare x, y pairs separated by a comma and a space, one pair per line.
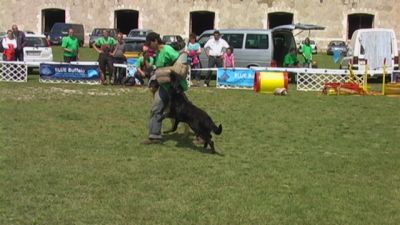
229, 58
215, 48
143, 65
290, 59
166, 56
194, 51
70, 44
307, 53
104, 46
21, 42
120, 58
10, 45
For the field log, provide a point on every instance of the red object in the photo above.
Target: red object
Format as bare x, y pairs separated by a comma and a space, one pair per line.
9, 52
274, 63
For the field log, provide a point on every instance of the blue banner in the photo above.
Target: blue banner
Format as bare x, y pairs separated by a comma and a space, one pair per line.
63, 71
236, 77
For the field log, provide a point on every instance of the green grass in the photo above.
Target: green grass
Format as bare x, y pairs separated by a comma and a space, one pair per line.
71, 154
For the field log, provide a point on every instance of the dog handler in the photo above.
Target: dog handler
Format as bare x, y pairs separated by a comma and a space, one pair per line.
166, 62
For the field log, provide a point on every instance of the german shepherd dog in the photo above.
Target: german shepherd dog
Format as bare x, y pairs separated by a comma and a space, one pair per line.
182, 110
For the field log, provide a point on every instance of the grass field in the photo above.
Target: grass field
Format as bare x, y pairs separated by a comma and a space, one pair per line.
71, 154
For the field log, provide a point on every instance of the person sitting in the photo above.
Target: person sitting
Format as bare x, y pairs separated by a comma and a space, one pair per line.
143, 65
290, 59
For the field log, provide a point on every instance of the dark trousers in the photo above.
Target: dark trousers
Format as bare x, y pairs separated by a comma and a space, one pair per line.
106, 62
119, 73
69, 59
19, 55
196, 74
212, 61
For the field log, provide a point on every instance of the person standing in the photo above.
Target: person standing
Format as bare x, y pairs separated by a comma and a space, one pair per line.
70, 45
10, 45
215, 48
166, 56
119, 58
21, 42
307, 53
194, 51
229, 58
104, 46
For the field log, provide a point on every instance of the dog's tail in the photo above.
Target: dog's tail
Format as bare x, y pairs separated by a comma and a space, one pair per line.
218, 130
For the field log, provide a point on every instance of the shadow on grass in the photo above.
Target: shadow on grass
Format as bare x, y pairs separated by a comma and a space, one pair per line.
186, 141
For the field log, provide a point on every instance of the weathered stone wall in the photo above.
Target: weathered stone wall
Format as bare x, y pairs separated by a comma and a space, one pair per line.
173, 16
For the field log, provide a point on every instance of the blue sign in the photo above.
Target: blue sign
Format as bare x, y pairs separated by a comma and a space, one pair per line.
236, 77
131, 68
53, 71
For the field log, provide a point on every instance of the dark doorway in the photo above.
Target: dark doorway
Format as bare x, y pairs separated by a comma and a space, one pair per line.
126, 20
50, 17
358, 21
279, 18
201, 21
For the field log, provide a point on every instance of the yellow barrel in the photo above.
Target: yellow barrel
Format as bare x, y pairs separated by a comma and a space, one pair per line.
267, 82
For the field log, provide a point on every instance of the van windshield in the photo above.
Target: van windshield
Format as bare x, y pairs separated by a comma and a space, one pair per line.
60, 29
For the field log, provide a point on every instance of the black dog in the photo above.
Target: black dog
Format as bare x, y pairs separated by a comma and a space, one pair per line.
182, 110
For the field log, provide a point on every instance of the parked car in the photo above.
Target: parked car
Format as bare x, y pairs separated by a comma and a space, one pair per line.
337, 46
98, 32
60, 30
176, 41
37, 50
133, 47
313, 45
372, 47
138, 33
254, 47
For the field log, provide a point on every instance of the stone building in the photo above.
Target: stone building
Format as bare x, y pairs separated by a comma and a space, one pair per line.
340, 17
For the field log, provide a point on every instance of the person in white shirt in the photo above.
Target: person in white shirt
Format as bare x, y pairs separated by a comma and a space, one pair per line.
215, 48
9, 44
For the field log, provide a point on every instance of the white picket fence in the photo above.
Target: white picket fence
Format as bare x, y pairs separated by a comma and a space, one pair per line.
13, 71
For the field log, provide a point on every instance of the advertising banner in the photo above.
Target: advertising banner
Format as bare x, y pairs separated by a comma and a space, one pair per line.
66, 71
235, 78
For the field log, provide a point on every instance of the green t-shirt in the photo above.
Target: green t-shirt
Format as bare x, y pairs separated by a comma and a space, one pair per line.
106, 45
71, 43
166, 57
140, 62
290, 60
307, 53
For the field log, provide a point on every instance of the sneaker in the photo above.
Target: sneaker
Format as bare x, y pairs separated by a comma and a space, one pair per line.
150, 141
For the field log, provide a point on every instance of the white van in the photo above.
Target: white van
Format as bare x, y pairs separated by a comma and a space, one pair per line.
258, 47
372, 47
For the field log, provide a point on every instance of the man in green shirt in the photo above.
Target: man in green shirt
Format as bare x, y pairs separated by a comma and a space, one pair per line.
104, 46
165, 57
70, 44
307, 53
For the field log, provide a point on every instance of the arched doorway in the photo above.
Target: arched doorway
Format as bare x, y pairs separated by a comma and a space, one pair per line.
126, 20
201, 21
279, 18
358, 21
50, 17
